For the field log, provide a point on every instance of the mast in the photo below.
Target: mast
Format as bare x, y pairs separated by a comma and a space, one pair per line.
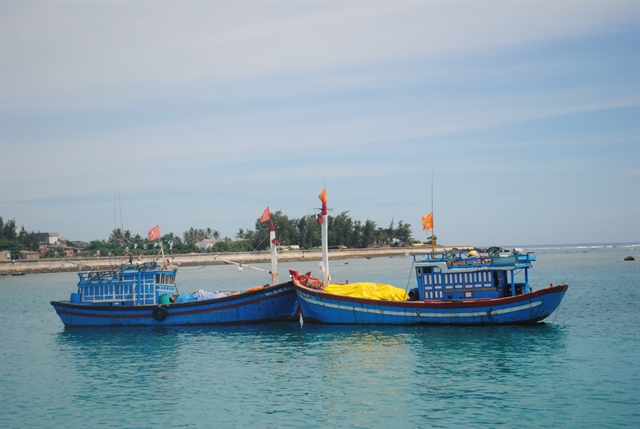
325, 245
433, 230
274, 254
325, 236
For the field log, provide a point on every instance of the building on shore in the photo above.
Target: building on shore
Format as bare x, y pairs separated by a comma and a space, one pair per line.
28, 255
49, 238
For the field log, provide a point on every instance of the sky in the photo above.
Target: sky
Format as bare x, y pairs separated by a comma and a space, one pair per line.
516, 123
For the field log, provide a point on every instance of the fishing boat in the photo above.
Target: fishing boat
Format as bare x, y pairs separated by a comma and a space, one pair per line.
145, 294
482, 286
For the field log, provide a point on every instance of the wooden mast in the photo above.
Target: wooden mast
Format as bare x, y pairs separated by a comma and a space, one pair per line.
274, 253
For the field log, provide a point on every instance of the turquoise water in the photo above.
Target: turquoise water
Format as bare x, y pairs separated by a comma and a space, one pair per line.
580, 369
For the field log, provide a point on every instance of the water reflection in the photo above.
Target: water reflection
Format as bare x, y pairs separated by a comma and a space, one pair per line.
488, 369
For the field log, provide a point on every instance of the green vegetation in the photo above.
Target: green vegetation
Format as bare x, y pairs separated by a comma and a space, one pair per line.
15, 240
303, 232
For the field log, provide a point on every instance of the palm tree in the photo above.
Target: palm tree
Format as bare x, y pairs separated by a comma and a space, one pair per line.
117, 237
240, 234
192, 236
172, 237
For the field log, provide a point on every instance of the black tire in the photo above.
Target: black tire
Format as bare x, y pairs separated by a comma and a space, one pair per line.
159, 313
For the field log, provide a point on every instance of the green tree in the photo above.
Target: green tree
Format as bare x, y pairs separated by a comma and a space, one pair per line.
103, 246
308, 231
193, 236
117, 237
403, 233
368, 234
15, 240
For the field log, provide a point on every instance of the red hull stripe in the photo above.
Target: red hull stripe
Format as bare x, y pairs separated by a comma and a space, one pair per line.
437, 304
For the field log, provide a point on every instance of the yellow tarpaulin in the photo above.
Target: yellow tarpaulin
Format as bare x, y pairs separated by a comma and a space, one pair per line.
368, 290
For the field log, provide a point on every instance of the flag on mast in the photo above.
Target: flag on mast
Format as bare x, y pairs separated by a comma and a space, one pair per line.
265, 215
154, 233
323, 196
427, 221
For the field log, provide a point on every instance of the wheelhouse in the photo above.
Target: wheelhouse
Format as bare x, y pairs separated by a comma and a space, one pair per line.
474, 275
133, 284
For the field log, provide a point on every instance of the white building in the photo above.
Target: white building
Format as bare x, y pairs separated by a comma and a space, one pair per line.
50, 238
206, 243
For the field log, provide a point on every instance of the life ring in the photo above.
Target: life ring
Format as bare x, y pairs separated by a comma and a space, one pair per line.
159, 313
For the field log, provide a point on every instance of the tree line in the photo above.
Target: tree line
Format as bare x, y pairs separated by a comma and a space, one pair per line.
304, 232
17, 239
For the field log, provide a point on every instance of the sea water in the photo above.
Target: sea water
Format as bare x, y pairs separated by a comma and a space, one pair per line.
580, 369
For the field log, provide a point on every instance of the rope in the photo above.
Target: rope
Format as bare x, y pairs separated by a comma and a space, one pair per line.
410, 274
265, 237
241, 265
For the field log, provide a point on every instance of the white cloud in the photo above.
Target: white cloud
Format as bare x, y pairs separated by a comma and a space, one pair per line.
200, 107
62, 50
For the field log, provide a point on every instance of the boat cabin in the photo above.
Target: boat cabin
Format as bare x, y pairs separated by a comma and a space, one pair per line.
134, 284
471, 275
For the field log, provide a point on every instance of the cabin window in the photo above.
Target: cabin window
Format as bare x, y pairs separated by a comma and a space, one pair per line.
487, 279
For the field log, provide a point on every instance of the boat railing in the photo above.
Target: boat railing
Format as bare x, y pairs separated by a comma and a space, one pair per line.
139, 266
134, 284
95, 292
98, 276
516, 258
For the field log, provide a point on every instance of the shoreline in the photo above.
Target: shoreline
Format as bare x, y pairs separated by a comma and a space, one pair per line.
63, 265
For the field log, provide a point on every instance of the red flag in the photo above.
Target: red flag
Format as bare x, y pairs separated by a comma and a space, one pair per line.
323, 196
427, 221
265, 215
154, 233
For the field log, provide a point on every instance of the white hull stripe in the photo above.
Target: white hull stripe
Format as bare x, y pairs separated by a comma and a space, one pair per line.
420, 313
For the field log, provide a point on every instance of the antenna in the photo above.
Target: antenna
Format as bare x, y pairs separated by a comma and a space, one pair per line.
120, 204
433, 224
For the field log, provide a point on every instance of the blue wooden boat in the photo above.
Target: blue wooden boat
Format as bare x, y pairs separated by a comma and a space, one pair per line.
143, 294
452, 289
140, 295
472, 288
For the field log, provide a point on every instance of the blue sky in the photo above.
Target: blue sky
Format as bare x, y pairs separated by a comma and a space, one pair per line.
201, 114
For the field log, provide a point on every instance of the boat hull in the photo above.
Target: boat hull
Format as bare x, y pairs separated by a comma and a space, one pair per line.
320, 307
271, 304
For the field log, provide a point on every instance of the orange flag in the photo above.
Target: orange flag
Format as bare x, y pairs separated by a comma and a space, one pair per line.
427, 221
323, 196
265, 215
154, 233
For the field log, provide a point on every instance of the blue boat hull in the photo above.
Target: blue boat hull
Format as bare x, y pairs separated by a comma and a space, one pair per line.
320, 307
271, 304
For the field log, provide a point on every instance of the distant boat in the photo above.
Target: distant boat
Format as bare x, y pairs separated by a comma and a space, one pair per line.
19, 273
474, 288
